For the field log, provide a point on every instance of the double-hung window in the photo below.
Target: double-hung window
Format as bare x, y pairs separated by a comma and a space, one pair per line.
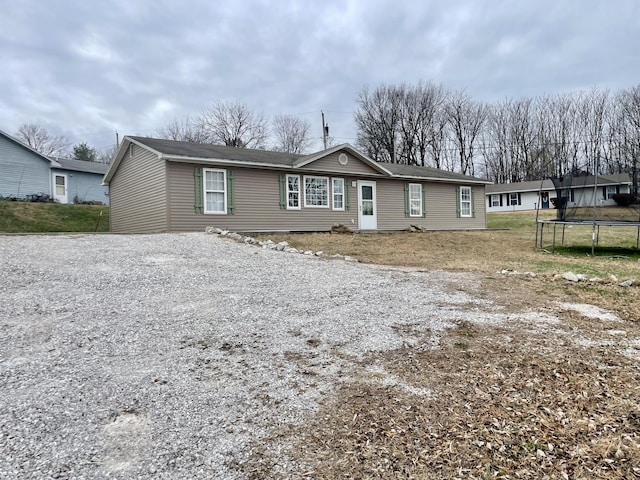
415, 200
611, 190
316, 192
465, 202
513, 199
337, 185
215, 190
293, 192
495, 200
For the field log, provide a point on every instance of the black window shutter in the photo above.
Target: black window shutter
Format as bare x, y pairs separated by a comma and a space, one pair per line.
519, 199
198, 188
500, 199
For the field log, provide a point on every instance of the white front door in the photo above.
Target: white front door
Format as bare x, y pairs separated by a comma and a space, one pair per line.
367, 210
60, 188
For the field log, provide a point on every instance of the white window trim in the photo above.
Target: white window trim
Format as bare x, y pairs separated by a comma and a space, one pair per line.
495, 200
419, 214
289, 207
333, 194
205, 191
463, 202
305, 191
513, 197
613, 188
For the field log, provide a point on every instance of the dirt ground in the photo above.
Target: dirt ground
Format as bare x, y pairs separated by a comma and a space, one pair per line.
553, 394
540, 397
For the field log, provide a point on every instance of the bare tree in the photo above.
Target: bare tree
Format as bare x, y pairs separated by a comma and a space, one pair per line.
41, 141
420, 108
185, 130
378, 120
108, 154
291, 134
629, 101
466, 119
234, 124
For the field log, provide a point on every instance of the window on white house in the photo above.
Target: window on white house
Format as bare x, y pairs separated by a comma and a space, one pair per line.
293, 192
465, 201
611, 191
338, 193
316, 192
495, 200
415, 200
513, 199
215, 190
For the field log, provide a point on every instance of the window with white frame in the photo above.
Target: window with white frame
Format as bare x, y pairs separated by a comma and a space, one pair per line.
495, 200
513, 199
215, 190
611, 191
293, 192
415, 200
316, 192
465, 201
338, 193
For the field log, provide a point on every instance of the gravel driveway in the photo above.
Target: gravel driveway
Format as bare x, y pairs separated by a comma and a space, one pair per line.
170, 356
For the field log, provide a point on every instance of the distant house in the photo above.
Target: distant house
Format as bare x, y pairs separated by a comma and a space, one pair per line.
509, 197
168, 186
26, 174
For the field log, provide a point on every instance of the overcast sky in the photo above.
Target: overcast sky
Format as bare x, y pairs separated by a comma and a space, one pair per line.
85, 69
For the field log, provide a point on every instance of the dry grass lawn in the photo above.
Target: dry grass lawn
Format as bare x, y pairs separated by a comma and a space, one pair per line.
557, 401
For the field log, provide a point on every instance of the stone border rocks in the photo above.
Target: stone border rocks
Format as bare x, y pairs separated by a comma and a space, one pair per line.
271, 245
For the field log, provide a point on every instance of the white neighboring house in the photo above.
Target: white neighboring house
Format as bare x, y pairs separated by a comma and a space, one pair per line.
511, 197
28, 175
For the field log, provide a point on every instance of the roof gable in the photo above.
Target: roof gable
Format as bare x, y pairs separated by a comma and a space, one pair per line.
28, 148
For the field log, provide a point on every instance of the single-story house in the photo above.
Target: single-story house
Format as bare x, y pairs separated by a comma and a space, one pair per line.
170, 186
509, 197
26, 174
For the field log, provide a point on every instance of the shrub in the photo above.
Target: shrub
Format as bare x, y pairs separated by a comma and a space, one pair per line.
624, 199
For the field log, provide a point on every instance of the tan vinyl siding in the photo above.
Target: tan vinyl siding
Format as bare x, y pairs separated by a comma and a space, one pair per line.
331, 165
256, 204
137, 194
440, 206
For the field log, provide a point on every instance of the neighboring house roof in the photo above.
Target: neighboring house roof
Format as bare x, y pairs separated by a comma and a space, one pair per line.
532, 186
203, 153
82, 166
27, 147
547, 184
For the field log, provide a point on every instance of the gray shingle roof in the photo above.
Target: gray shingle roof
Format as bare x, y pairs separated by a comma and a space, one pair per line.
187, 150
218, 152
82, 166
534, 186
428, 172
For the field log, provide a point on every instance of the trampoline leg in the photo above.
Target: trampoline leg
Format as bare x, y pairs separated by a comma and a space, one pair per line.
553, 246
563, 235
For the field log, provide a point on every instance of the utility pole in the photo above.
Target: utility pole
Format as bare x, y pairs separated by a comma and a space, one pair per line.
325, 131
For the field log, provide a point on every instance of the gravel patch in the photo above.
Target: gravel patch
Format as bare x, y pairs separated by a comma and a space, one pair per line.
169, 356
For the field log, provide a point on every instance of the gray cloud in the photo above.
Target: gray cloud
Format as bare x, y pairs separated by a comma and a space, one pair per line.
86, 69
